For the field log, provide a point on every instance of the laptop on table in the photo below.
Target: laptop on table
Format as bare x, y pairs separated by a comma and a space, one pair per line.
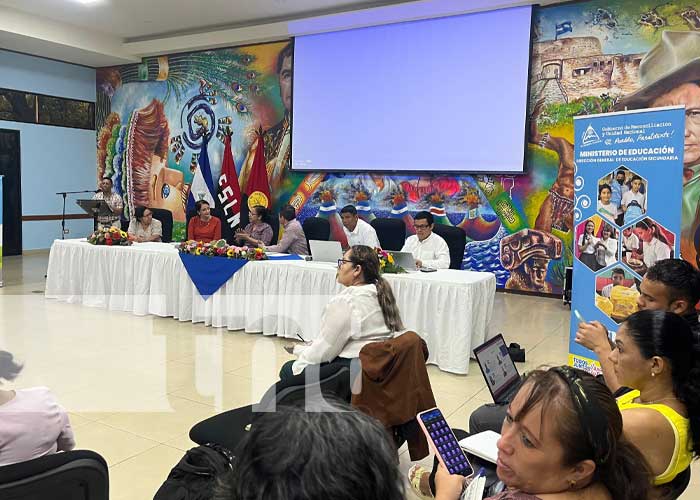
326, 251
405, 260
497, 367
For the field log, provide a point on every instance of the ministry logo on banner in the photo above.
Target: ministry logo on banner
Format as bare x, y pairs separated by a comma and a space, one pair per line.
590, 137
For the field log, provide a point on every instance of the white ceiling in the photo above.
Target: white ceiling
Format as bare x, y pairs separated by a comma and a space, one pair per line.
105, 32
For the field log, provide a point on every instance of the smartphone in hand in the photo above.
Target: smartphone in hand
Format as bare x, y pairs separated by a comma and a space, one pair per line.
444, 442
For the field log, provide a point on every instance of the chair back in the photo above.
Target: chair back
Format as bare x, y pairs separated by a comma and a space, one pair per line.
456, 240
71, 475
166, 220
316, 228
391, 232
674, 489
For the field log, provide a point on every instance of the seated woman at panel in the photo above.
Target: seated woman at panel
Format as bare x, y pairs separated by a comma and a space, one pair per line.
32, 424
365, 311
561, 439
143, 227
655, 355
257, 230
204, 226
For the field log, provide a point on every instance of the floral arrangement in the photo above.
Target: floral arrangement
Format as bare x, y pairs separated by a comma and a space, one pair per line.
110, 236
220, 248
387, 264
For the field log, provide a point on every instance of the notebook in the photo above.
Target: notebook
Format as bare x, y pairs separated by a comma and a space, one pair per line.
483, 445
497, 367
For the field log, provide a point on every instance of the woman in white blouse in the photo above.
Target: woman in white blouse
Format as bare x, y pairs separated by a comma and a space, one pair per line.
143, 227
364, 312
586, 246
606, 248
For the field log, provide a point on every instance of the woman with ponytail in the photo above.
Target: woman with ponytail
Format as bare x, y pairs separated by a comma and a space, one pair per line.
656, 355
365, 311
32, 424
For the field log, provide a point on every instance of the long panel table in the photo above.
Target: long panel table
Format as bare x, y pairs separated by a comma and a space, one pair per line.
450, 309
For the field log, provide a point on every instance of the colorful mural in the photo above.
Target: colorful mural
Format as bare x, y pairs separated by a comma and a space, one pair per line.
588, 57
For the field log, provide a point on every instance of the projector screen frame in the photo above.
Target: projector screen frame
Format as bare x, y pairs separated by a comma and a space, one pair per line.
417, 172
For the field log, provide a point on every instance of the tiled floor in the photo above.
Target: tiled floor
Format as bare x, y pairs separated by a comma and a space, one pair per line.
135, 385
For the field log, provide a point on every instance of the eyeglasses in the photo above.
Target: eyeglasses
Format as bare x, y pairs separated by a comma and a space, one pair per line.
693, 114
340, 262
421, 226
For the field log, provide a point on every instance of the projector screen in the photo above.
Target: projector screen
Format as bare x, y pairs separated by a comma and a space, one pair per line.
440, 95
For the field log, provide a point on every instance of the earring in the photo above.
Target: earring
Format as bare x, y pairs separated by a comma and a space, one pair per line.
653, 374
572, 484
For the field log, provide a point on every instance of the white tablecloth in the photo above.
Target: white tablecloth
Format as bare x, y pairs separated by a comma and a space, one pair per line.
450, 309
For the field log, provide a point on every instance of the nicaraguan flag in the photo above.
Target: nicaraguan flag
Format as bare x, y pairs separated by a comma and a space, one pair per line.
202, 184
564, 27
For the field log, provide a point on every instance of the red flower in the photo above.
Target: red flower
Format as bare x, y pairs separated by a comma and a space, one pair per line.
108, 241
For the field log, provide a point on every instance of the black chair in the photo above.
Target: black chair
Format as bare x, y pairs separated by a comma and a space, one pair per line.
456, 239
391, 232
316, 228
71, 475
229, 428
274, 222
166, 220
674, 489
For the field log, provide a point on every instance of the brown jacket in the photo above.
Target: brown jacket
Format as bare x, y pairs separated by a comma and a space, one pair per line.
396, 387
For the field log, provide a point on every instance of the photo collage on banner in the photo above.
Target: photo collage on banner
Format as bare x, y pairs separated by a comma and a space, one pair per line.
627, 213
152, 117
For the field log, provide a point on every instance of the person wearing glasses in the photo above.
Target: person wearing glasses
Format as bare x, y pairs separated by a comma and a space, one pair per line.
364, 312
429, 249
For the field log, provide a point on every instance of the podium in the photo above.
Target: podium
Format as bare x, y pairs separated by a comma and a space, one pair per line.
95, 208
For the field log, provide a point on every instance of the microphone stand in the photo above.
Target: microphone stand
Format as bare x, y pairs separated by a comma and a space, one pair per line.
63, 213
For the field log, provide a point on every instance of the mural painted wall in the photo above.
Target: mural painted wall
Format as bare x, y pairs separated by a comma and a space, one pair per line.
587, 58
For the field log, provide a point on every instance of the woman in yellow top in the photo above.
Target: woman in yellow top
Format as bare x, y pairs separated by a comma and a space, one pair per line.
655, 355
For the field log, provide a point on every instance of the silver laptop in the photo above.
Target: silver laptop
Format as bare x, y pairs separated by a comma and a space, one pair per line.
405, 260
502, 377
326, 251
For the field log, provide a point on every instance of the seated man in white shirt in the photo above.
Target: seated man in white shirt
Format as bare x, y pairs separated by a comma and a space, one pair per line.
357, 231
429, 249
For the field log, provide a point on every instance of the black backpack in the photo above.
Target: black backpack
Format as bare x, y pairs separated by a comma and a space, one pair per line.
194, 477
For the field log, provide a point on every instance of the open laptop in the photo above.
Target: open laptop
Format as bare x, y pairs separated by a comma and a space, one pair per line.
326, 251
497, 367
405, 260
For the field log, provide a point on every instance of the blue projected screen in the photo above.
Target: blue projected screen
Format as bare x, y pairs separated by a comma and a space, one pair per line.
447, 94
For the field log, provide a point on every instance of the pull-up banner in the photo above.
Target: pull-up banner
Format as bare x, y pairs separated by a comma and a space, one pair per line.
628, 182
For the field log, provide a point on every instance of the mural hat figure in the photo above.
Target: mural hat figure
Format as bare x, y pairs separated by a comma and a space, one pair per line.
672, 61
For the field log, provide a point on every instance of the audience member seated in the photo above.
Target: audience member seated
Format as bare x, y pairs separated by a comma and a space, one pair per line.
143, 227
656, 356
257, 229
326, 452
32, 424
365, 311
293, 240
204, 226
561, 439
357, 231
429, 249
669, 285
